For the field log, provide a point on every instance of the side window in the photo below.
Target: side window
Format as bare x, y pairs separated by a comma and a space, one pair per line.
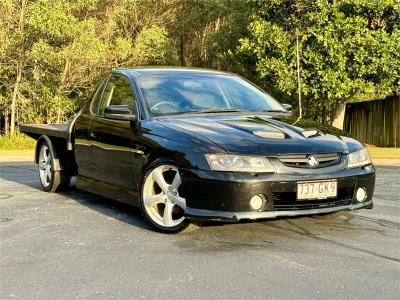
94, 105
118, 91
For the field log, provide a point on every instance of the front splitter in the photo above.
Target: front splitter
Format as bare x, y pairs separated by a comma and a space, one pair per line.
210, 215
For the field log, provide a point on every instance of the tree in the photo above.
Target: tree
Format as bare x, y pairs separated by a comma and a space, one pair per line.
66, 55
13, 44
206, 31
152, 46
52, 53
349, 50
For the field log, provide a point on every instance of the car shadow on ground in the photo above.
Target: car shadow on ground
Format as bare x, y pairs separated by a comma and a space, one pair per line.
120, 211
111, 208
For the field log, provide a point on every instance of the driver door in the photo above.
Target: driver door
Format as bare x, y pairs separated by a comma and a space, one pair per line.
111, 140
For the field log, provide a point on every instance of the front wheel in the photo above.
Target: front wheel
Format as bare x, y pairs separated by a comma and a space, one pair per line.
51, 180
160, 201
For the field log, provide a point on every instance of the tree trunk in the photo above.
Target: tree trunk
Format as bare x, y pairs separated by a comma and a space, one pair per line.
182, 51
14, 96
6, 121
59, 89
337, 117
19, 70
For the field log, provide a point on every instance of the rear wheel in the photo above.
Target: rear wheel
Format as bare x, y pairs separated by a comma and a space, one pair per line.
51, 180
161, 203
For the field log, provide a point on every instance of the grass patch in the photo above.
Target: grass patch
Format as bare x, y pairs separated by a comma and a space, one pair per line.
16, 141
7, 153
386, 153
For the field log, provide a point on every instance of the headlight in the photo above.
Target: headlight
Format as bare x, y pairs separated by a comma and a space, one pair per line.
236, 163
358, 159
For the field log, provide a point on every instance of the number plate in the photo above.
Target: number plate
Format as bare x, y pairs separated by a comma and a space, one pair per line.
321, 189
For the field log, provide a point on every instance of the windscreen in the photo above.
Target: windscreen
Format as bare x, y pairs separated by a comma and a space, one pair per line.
168, 95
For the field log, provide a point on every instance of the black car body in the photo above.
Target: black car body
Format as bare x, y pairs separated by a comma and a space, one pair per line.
111, 153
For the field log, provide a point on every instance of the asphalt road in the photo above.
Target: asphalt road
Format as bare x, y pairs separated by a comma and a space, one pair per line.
77, 245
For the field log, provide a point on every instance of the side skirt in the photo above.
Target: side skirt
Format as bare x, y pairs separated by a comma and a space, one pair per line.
107, 190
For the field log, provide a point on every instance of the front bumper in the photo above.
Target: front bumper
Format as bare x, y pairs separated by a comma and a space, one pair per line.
224, 196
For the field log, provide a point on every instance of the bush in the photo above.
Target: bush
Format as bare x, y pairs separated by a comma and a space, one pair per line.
16, 141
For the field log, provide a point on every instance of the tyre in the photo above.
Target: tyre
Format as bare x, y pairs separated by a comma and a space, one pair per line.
160, 202
51, 180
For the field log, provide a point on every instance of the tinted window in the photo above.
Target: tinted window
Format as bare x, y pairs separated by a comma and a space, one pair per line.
94, 106
118, 91
195, 93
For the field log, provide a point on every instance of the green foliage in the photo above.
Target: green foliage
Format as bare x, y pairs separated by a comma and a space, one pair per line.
16, 141
153, 47
349, 50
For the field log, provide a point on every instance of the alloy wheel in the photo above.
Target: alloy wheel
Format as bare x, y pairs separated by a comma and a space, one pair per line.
161, 198
45, 171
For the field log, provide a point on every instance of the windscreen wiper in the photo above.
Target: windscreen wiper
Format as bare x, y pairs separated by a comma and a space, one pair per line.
274, 110
217, 110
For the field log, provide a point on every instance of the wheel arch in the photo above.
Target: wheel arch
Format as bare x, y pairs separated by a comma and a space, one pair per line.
56, 161
155, 156
63, 160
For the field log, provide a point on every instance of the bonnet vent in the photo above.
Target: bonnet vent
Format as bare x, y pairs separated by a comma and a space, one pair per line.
311, 133
270, 134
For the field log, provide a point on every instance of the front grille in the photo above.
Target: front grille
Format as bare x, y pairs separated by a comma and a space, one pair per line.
288, 200
302, 160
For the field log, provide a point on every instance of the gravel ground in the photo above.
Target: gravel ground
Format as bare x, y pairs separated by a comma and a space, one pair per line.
77, 245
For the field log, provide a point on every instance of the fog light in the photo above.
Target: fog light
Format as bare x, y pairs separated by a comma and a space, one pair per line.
361, 194
257, 201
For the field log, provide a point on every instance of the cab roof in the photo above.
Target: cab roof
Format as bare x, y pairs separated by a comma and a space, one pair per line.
168, 71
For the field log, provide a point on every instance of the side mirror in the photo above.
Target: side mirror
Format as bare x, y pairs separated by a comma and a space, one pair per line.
119, 112
286, 106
